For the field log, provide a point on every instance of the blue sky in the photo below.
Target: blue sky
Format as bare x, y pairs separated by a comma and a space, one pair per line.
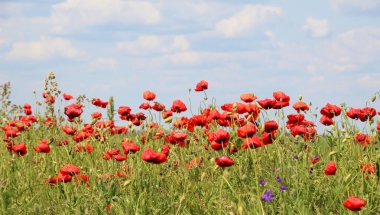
326, 50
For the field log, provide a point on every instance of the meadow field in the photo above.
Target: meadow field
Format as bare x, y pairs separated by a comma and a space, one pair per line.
253, 155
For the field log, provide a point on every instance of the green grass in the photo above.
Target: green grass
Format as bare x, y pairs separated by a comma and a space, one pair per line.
172, 188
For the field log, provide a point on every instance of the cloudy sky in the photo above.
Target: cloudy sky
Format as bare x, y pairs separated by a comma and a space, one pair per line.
327, 50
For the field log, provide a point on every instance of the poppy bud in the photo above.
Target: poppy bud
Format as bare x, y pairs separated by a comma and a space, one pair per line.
169, 119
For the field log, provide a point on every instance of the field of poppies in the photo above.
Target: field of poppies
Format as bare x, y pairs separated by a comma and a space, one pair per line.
254, 155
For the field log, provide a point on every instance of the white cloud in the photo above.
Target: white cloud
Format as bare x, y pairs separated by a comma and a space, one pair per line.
361, 40
181, 58
75, 14
317, 27
317, 78
153, 44
351, 51
270, 35
207, 59
250, 17
368, 80
355, 5
2, 40
103, 63
45, 48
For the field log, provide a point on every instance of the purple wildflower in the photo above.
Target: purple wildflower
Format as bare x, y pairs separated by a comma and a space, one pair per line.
262, 182
268, 196
296, 157
283, 187
311, 170
278, 179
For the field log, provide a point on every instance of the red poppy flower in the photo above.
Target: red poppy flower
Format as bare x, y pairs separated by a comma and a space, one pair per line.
178, 106
82, 135
299, 130
240, 108
129, 146
20, 149
353, 113
42, 147
144, 106
67, 96
202, 85
281, 96
218, 139
196, 161
120, 157
247, 130
62, 178
96, 115
300, 106
58, 178
11, 132
253, 112
266, 103
268, 137
214, 114
354, 203
159, 134
68, 130
248, 97
295, 119
27, 109
253, 142
279, 105
101, 124
154, 157
48, 98
158, 106
73, 110
82, 177
99, 103
32, 118
270, 126
69, 169
236, 107
378, 126
63, 142
367, 114
49, 122
330, 110
330, 168
119, 130
124, 110
199, 120
224, 161
149, 95
363, 139
325, 120
368, 168
176, 138
87, 148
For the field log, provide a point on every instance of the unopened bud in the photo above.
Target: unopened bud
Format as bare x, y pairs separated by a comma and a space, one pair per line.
168, 119
249, 117
374, 98
300, 97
